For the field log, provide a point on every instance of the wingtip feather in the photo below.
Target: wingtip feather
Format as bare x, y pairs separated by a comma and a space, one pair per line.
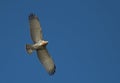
32, 16
52, 71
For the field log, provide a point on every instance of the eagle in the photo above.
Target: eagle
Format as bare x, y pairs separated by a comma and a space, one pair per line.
39, 44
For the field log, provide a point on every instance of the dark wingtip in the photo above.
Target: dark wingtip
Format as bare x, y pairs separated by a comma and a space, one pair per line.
52, 72
32, 16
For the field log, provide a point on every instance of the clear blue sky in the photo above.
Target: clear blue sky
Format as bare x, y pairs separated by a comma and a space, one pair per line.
83, 35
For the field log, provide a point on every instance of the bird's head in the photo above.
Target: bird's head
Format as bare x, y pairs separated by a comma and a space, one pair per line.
44, 43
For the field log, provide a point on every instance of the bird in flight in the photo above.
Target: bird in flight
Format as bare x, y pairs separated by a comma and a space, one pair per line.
39, 44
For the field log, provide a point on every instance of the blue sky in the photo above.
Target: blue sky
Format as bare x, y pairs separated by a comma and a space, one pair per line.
83, 35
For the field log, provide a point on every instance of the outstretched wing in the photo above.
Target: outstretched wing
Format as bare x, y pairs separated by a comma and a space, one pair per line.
46, 60
35, 28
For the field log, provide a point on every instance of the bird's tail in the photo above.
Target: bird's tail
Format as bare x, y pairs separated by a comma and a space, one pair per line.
29, 48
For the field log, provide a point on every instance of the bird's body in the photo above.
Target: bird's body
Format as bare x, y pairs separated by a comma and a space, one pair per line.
39, 45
